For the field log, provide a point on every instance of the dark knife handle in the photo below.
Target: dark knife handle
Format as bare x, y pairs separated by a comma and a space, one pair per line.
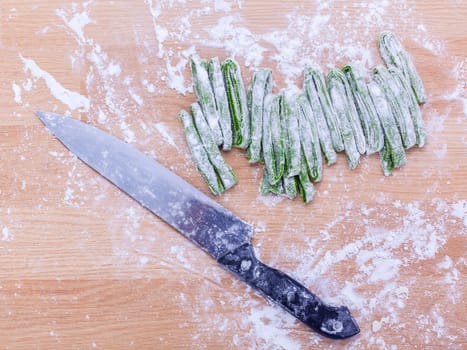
330, 321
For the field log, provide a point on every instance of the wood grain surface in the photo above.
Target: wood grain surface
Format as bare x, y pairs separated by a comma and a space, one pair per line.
83, 266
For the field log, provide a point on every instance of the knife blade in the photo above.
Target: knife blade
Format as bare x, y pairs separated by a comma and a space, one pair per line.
199, 218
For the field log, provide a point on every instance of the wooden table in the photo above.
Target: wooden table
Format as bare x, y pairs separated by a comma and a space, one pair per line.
83, 266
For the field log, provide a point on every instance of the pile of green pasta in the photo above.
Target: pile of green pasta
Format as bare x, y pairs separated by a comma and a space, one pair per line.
289, 133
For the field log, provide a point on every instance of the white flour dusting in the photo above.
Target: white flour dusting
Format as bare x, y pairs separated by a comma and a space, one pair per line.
72, 99
460, 211
6, 235
164, 131
75, 20
17, 91
383, 256
230, 34
282, 49
393, 239
106, 79
269, 325
459, 73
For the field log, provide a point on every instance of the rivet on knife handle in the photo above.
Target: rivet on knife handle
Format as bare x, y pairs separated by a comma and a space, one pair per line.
333, 322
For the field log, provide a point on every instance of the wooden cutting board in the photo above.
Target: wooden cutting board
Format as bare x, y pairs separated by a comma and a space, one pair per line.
83, 266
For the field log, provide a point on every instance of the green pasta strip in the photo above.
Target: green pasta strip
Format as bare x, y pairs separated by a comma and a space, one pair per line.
273, 139
205, 95
290, 186
394, 54
266, 187
352, 113
222, 104
305, 186
310, 146
371, 125
278, 131
328, 123
386, 158
290, 134
339, 98
286, 187
412, 103
393, 154
199, 154
238, 103
225, 172
266, 140
328, 109
261, 86
397, 98
289, 114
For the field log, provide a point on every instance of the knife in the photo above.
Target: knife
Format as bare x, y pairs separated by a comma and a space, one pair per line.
199, 218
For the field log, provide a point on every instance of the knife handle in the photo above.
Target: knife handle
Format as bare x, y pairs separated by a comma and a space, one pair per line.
330, 321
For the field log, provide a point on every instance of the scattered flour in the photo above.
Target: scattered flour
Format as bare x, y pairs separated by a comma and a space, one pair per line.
230, 34
269, 325
385, 258
143, 260
164, 131
459, 74
72, 99
6, 235
75, 20
282, 48
17, 91
460, 211
425, 40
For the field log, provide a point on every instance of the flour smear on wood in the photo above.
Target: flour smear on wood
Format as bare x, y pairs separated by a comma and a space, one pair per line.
386, 284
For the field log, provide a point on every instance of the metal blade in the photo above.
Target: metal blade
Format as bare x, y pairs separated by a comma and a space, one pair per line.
202, 220
199, 218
